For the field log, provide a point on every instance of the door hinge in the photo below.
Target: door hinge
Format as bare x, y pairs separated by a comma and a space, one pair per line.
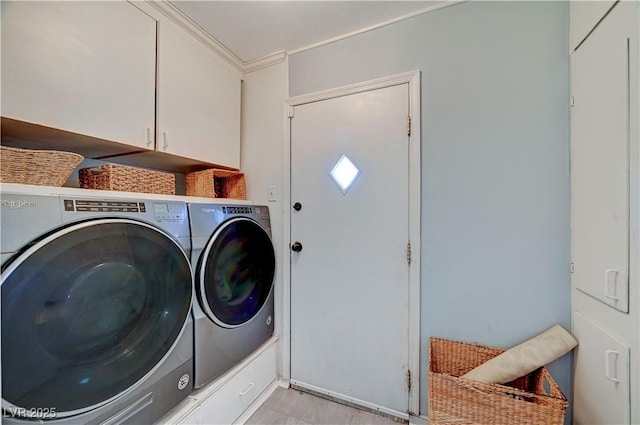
572, 268
408, 380
409, 126
572, 102
290, 112
409, 253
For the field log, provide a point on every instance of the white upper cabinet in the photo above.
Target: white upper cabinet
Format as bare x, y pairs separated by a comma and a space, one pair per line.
585, 15
100, 69
84, 67
198, 100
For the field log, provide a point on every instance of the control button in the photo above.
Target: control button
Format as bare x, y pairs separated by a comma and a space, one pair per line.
237, 210
68, 205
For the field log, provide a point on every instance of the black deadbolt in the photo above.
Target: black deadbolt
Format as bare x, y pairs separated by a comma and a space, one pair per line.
297, 206
296, 247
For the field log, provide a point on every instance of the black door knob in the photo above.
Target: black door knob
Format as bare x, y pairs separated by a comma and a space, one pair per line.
297, 206
296, 247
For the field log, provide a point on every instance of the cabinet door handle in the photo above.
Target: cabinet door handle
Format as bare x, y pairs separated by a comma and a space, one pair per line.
607, 284
149, 141
165, 144
607, 364
246, 390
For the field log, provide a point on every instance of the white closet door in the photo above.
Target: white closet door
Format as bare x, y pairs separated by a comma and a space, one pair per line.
601, 385
600, 162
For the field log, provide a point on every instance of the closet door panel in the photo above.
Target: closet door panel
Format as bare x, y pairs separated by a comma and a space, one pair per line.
585, 15
601, 382
600, 164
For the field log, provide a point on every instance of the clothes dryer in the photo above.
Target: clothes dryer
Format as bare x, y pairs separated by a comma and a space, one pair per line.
234, 260
96, 298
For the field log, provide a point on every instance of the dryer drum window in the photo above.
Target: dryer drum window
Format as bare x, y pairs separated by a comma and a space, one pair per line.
236, 273
88, 311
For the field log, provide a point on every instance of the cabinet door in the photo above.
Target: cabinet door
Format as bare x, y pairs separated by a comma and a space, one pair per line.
83, 67
601, 376
198, 100
584, 16
600, 75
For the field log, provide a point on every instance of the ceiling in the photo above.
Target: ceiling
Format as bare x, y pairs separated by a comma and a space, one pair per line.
255, 29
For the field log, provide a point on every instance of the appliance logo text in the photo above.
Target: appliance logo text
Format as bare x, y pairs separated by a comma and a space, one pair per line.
14, 205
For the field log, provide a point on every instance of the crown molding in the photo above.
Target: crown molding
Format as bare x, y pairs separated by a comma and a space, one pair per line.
264, 62
176, 15
173, 13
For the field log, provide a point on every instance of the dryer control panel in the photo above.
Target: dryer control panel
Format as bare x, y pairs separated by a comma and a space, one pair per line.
237, 210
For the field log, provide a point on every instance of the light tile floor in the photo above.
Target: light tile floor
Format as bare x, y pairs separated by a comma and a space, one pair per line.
293, 407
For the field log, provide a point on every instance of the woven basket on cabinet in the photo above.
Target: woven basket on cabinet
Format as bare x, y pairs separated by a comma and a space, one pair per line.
37, 167
216, 183
127, 179
534, 399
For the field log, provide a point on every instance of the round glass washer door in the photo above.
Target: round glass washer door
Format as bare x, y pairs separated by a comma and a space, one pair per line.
87, 312
235, 273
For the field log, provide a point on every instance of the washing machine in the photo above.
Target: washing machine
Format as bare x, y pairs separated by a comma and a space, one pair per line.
234, 266
96, 299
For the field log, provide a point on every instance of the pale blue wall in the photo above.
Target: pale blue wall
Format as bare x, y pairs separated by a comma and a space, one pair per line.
495, 162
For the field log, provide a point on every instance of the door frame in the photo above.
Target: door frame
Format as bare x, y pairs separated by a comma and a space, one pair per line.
412, 78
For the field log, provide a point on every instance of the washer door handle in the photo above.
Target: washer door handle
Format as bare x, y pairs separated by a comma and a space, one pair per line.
296, 246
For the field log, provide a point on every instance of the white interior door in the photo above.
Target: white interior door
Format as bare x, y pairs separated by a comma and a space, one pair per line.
349, 267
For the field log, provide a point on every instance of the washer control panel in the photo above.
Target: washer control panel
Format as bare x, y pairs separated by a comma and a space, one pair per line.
160, 210
86, 205
169, 211
262, 212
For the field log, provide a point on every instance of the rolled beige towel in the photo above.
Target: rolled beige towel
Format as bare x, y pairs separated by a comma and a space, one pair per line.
526, 357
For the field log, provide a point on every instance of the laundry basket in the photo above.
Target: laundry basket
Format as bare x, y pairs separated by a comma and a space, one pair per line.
216, 183
37, 167
534, 399
127, 179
